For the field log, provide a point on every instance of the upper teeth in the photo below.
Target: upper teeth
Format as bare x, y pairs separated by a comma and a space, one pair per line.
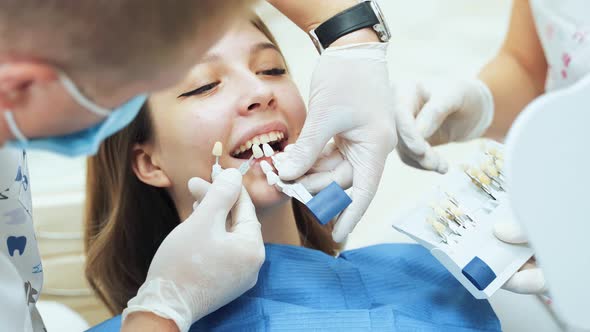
273, 136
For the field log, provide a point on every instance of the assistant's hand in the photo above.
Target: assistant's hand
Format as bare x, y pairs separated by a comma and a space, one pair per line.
529, 279
432, 114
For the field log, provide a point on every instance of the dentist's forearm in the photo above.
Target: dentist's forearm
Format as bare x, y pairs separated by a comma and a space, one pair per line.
309, 14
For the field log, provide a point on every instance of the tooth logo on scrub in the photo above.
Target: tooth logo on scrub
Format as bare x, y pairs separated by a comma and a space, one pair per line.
15, 243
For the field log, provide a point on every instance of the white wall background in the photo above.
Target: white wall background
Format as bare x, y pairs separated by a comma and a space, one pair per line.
430, 38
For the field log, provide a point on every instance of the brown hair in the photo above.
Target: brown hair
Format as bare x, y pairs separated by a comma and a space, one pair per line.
100, 35
126, 219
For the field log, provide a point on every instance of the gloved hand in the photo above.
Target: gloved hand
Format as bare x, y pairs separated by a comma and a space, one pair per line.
351, 101
330, 167
529, 279
429, 115
201, 266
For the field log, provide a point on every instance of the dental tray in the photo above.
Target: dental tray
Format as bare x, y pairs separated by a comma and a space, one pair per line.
477, 259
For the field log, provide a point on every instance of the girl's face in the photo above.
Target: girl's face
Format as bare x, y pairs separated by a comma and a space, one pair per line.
238, 94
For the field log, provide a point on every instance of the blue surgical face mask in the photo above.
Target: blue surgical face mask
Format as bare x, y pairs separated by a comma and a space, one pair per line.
85, 142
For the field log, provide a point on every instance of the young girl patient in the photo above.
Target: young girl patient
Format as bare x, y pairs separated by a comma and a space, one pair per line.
241, 93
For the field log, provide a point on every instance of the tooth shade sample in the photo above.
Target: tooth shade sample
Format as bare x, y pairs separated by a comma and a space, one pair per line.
272, 178
266, 168
257, 151
268, 151
438, 227
482, 177
217, 149
490, 168
440, 212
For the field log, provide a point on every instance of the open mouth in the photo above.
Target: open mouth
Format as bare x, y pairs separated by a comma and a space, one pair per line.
276, 139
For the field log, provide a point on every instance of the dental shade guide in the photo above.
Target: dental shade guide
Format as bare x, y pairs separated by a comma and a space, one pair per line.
267, 149
294, 190
472, 174
489, 169
325, 205
245, 166
257, 153
217, 152
439, 228
456, 225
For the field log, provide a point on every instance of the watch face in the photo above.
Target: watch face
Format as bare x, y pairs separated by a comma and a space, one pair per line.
382, 29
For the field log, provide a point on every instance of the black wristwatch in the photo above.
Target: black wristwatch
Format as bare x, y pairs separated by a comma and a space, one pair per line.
365, 14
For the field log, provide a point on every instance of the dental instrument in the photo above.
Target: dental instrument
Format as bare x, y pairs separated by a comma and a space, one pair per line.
245, 166
267, 149
489, 169
217, 152
475, 257
325, 205
256, 154
439, 228
480, 181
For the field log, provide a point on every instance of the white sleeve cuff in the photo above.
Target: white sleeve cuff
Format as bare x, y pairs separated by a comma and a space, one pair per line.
487, 112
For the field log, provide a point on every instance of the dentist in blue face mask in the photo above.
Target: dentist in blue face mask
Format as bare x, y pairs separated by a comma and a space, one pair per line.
173, 298
66, 84
85, 141
61, 92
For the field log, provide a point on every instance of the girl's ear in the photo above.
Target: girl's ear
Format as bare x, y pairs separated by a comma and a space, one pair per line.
146, 167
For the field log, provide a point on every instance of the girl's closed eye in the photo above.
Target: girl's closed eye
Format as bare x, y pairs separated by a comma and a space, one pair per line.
273, 72
201, 90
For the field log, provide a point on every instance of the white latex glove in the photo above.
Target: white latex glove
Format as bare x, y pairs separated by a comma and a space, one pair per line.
351, 101
201, 265
529, 279
431, 114
330, 167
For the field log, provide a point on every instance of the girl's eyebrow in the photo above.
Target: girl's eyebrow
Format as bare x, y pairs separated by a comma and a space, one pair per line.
263, 46
214, 57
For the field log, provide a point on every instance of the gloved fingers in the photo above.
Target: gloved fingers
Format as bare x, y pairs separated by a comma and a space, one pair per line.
221, 197
244, 219
430, 160
510, 232
410, 101
198, 188
432, 116
316, 182
300, 157
528, 281
352, 214
328, 160
324, 121
367, 172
